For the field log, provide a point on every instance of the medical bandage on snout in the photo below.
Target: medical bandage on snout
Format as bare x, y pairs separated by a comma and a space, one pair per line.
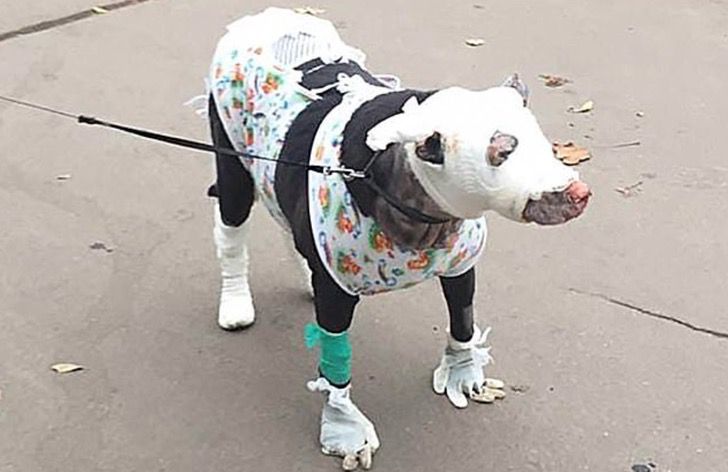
335, 354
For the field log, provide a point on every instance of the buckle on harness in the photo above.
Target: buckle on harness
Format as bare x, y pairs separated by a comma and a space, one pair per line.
346, 173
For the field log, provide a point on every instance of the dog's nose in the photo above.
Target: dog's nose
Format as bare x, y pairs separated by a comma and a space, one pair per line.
578, 191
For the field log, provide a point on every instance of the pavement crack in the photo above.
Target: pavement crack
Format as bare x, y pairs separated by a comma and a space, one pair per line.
64, 20
651, 313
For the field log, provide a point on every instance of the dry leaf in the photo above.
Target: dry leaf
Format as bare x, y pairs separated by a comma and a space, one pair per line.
474, 42
554, 80
571, 154
585, 107
65, 368
99, 10
309, 11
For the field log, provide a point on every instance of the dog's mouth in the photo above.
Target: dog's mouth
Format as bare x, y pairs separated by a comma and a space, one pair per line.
555, 208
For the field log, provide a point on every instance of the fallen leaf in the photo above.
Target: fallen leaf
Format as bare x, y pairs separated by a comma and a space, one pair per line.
520, 388
65, 368
63, 177
309, 11
100, 246
585, 107
554, 80
99, 10
571, 154
474, 42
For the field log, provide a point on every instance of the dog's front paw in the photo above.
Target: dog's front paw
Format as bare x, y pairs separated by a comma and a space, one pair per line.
460, 374
490, 391
345, 431
351, 461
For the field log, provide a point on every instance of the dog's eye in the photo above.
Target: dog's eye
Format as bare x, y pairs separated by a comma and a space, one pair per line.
431, 149
501, 146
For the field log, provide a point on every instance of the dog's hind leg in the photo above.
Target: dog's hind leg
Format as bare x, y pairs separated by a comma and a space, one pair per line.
460, 372
235, 191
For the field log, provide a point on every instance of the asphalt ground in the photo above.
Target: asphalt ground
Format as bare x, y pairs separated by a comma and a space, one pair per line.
586, 318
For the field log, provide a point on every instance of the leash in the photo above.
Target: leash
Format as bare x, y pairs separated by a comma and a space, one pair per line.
346, 173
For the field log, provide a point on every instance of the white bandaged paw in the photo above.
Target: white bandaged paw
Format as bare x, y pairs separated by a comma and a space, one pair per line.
236, 302
345, 431
461, 372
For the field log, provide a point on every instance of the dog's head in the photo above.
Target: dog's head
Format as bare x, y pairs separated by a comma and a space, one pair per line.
479, 151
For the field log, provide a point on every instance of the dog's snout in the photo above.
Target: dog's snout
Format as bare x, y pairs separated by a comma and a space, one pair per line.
578, 191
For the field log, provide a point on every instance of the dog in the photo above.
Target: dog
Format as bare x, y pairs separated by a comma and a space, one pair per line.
381, 187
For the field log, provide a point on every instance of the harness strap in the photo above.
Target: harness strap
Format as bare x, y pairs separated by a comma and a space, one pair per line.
410, 212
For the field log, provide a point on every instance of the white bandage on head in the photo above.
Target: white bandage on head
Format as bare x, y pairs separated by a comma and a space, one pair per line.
465, 185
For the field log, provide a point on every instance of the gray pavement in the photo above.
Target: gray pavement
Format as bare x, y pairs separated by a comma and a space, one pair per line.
15, 14
606, 387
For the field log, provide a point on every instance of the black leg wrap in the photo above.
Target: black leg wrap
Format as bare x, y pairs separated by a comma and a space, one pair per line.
334, 307
459, 293
234, 187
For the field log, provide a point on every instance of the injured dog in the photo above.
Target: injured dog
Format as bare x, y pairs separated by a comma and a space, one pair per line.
381, 187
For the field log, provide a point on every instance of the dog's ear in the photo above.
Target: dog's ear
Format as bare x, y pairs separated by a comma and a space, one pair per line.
501, 146
514, 81
430, 149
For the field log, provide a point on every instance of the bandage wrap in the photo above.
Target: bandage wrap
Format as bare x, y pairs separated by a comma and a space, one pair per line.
335, 353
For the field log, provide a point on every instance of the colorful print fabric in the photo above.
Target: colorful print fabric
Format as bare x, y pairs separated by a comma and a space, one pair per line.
257, 101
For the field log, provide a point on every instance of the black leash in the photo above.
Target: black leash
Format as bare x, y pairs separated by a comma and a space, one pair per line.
183, 142
346, 173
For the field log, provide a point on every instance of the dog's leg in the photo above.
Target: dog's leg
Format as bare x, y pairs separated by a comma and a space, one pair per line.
460, 372
236, 303
345, 431
236, 193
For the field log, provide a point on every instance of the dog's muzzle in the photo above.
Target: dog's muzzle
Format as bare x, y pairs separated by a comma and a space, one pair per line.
555, 208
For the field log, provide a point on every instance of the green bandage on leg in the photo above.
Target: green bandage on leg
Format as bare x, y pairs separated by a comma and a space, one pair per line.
335, 355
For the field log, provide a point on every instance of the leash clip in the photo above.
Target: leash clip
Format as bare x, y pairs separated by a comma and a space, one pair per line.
346, 173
